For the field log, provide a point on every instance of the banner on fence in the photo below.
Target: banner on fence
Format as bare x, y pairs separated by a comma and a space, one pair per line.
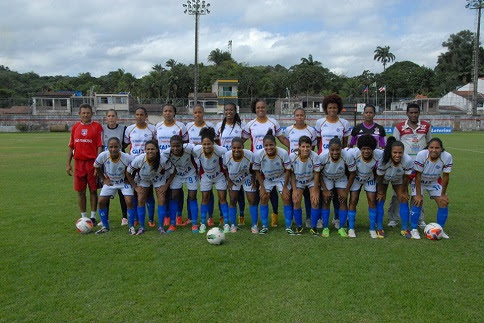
389, 130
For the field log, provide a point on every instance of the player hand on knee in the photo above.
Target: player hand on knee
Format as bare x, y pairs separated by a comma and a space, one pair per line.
418, 200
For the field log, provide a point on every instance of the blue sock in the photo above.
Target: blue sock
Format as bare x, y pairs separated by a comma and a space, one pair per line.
135, 206
372, 216
211, 205
288, 215
141, 216
298, 217
404, 213
264, 215
193, 211
150, 204
131, 217
233, 215
415, 215
203, 212
380, 212
442, 214
351, 219
225, 212
103, 214
173, 211
343, 215
315, 215
254, 214
325, 215
161, 215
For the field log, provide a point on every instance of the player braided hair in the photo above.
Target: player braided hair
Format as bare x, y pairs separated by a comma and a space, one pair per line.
208, 132
156, 163
335, 141
366, 141
236, 119
437, 140
391, 142
269, 136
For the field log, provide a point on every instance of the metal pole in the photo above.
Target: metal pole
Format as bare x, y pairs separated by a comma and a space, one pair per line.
476, 61
195, 77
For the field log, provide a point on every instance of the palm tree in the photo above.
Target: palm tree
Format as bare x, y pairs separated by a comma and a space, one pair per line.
382, 54
218, 56
158, 68
309, 61
171, 63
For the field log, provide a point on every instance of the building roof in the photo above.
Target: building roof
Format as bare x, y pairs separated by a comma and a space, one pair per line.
60, 94
468, 94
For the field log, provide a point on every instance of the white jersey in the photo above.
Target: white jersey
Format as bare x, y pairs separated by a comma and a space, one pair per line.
256, 131
293, 134
117, 132
272, 168
230, 132
328, 130
238, 170
137, 137
211, 165
335, 170
114, 169
430, 170
193, 132
146, 171
185, 164
365, 170
164, 133
304, 169
393, 173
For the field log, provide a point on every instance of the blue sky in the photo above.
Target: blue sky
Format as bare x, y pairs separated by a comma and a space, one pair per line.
54, 37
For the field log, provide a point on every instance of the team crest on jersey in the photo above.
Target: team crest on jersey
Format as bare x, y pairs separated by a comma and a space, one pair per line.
84, 132
146, 135
310, 166
236, 131
338, 130
437, 167
174, 132
214, 161
108, 162
277, 163
377, 132
340, 168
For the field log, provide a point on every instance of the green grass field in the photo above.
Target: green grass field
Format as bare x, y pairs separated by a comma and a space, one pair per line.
52, 273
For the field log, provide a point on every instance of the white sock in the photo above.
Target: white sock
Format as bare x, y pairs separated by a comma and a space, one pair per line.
93, 214
83, 215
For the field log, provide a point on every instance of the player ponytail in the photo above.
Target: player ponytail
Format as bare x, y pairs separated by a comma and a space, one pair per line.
208, 132
269, 136
436, 140
156, 163
387, 153
366, 141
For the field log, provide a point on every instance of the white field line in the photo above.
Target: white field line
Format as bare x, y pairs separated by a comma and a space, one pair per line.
474, 151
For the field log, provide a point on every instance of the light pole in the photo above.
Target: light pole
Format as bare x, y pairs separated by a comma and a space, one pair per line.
196, 8
288, 93
476, 4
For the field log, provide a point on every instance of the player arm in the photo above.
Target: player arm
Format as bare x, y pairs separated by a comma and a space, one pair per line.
70, 154
130, 178
261, 182
445, 182
345, 142
283, 140
380, 188
351, 179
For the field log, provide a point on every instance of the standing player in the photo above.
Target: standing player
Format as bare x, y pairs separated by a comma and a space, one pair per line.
113, 129
181, 157
137, 135
210, 158
238, 167
430, 164
153, 171
329, 127
415, 135
111, 168
273, 163
368, 127
293, 134
256, 130
395, 167
84, 146
305, 166
164, 131
366, 157
226, 130
334, 162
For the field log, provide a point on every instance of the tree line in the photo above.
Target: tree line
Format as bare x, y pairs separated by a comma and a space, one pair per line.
403, 79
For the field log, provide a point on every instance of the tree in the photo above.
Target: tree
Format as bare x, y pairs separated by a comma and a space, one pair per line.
309, 61
218, 57
382, 54
170, 63
407, 79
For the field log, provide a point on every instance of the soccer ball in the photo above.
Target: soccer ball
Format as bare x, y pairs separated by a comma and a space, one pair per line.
84, 225
433, 231
215, 236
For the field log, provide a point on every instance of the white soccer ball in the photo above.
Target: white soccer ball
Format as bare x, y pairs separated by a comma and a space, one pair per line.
433, 231
215, 236
84, 225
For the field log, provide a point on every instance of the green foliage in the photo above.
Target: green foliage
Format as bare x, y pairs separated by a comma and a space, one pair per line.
383, 54
407, 79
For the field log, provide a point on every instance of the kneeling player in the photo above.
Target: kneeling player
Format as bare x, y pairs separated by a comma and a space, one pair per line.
273, 163
111, 169
366, 158
238, 167
430, 164
305, 167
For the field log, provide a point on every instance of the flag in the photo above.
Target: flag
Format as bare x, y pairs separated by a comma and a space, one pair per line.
365, 89
382, 89
373, 84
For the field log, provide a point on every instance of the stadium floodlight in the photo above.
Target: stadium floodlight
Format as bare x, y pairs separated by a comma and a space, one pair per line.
476, 4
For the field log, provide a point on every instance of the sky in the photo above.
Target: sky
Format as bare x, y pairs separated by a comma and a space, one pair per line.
68, 37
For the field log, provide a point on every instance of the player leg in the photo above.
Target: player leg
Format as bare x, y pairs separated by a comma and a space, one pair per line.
161, 198
354, 198
128, 193
393, 211
380, 211
336, 219
275, 207
404, 210
241, 202
124, 208
150, 204
92, 183
103, 211
307, 206
296, 200
343, 213
264, 207
142, 190
288, 208
233, 199
221, 187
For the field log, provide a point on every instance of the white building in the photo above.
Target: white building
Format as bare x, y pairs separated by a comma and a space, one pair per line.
460, 100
